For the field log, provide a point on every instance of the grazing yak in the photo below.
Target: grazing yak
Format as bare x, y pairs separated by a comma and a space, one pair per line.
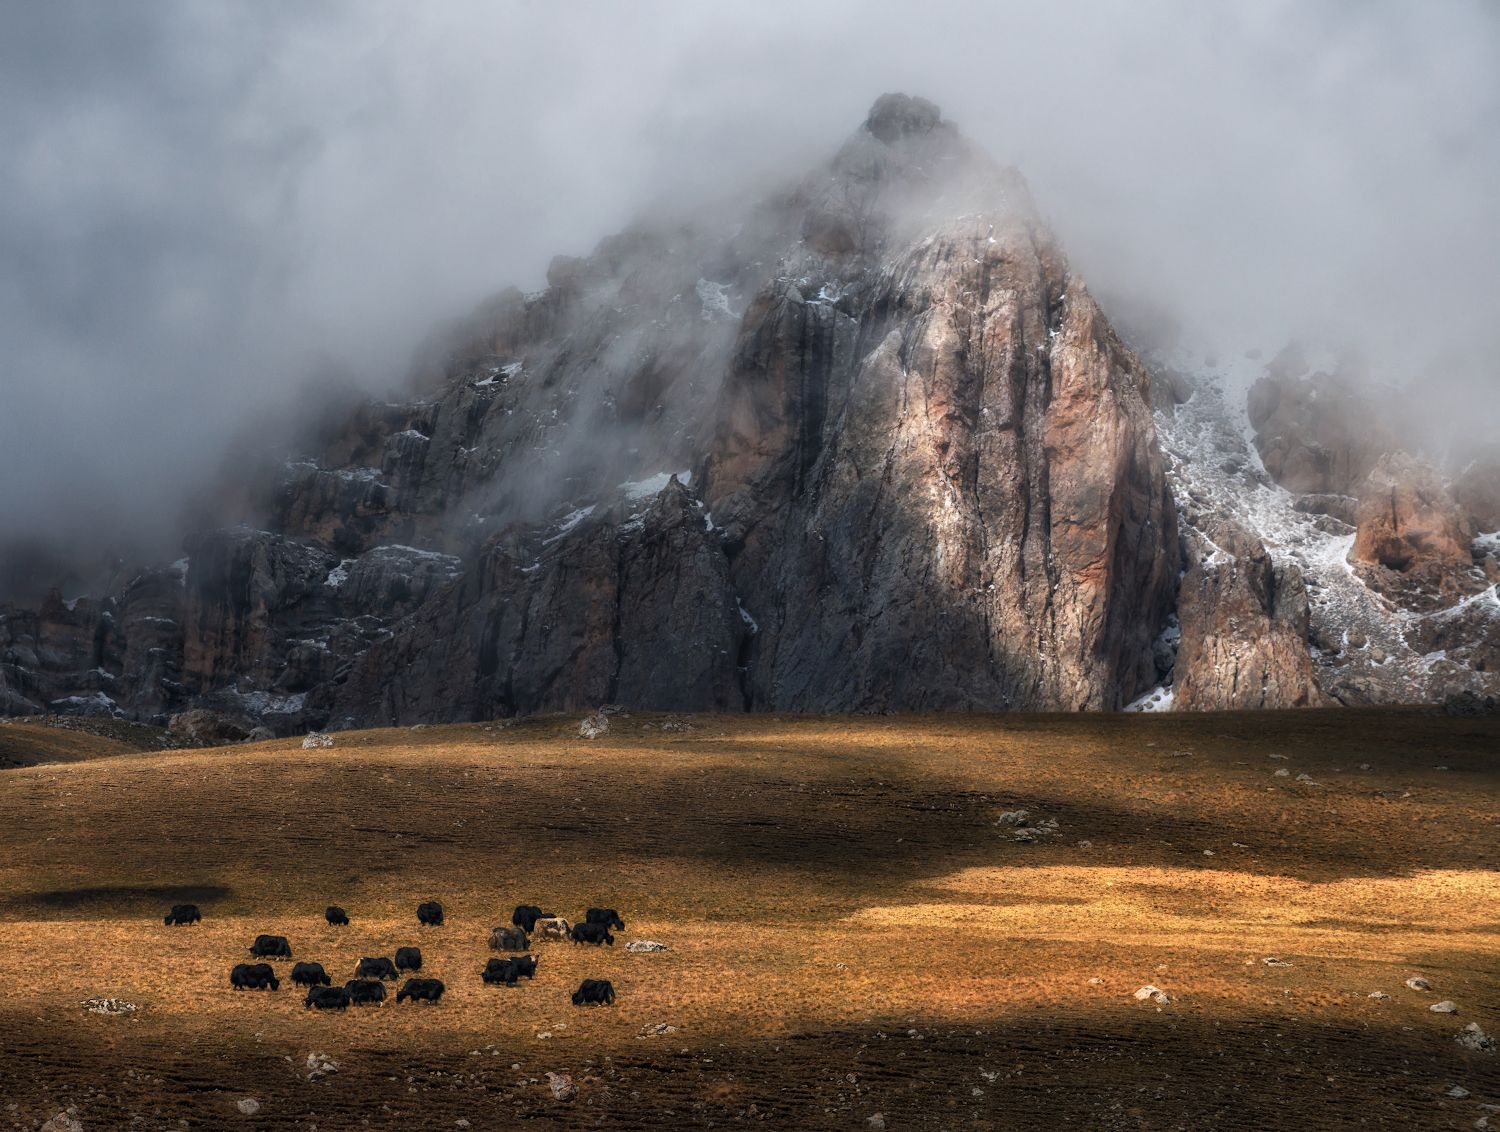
594, 992
365, 992
499, 971
509, 939
592, 933
253, 976
526, 915
182, 914
508, 970
606, 916
408, 958
326, 998
310, 975
429, 990
336, 916
271, 947
553, 927
430, 913
381, 968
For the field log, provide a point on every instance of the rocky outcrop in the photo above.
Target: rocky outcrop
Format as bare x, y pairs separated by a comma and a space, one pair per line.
1243, 623
633, 605
1414, 543
1319, 434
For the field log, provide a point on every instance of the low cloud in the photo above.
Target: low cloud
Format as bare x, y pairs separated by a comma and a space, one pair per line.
205, 208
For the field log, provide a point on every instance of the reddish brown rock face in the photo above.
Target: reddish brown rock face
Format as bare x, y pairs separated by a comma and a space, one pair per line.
1244, 628
1414, 542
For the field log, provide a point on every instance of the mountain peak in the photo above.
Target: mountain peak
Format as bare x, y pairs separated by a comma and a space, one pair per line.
895, 115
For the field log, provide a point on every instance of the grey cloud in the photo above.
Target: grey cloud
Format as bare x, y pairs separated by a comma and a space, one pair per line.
204, 206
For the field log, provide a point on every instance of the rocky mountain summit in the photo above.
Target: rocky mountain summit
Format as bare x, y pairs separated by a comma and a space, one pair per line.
872, 446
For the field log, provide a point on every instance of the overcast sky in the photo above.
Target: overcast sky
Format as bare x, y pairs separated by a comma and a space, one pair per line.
202, 205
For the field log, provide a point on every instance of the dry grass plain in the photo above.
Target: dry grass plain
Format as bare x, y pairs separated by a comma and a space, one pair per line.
851, 931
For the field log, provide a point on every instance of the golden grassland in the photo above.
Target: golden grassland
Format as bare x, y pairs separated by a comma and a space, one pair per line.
853, 929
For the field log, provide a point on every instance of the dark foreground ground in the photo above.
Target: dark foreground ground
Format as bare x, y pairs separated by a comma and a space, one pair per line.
856, 926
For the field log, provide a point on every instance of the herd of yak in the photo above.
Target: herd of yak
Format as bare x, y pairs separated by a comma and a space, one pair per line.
368, 985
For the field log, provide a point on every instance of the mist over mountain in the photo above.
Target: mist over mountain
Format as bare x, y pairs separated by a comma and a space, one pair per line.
206, 210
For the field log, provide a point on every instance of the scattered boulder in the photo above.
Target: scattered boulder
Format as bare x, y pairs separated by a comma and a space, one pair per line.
1153, 994
248, 1105
1416, 982
593, 725
313, 740
876, 1122
1272, 961
110, 1006
656, 1030
562, 1086
1471, 1037
640, 945
1444, 1007
320, 1065
62, 1122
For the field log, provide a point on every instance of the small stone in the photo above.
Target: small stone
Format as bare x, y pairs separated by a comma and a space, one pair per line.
62, 1122
1307, 778
248, 1105
1085, 845
461, 1123
1208, 852
562, 1086
877, 1121
1380, 994
1096, 981
593, 725
1272, 961
656, 1030
1471, 1037
1416, 982
1282, 773
1458, 1092
642, 945
1444, 1007
1153, 994
315, 739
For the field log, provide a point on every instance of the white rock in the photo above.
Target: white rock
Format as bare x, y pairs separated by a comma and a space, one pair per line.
315, 739
1272, 961
248, 1105
1473, 1038
1444, 1007
562, 1086
593, 725
639, 945
1458, 1092
877, 1121
1152, 994
1416, 982
656, 1030
62, 1122
1282, 773
1380, 994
